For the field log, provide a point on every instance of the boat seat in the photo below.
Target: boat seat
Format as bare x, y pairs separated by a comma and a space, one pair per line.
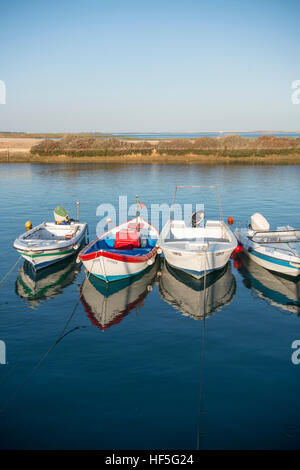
212, 223
178, 224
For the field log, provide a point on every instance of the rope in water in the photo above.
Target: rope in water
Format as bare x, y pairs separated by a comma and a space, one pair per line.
10, 271
201, 394
39, 363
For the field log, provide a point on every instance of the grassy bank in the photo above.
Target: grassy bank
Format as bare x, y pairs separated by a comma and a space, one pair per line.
214, 150
270, 158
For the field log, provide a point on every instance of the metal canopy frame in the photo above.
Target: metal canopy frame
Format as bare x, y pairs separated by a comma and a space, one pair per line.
276, 233
180, 186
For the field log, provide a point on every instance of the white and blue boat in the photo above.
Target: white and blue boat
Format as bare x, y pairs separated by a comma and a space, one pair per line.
277, 250
125, 250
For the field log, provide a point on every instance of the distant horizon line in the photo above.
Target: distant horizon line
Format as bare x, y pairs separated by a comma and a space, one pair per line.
155, 132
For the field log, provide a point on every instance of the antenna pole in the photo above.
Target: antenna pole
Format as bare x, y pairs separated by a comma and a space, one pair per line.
77, 204
137, 212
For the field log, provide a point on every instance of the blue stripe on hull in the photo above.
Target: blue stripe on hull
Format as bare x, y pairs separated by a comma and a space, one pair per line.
272, 260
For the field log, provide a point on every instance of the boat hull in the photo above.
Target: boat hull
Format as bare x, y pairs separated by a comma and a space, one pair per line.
273, 264
197, 264
109, 269
283, 265
39, 261
45, 258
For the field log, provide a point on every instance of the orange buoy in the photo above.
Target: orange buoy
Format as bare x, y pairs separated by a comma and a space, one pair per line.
230, 220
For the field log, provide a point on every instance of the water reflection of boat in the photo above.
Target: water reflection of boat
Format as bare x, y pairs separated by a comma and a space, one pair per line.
281, 291
106, 304
197, 298
47, 283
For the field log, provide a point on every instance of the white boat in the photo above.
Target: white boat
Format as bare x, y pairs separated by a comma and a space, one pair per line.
197, 298
277, 250
124, 251
277, 289
107, 304
51, 242
199, 248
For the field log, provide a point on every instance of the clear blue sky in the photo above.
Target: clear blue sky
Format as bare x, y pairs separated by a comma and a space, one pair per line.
115, 66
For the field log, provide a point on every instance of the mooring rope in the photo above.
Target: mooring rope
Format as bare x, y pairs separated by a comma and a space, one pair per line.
10, 271
39, 363
201, 406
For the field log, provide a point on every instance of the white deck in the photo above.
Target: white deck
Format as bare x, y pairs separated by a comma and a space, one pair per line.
197, 250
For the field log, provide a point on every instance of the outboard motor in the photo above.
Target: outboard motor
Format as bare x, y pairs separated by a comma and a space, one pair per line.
197, 218
259, 223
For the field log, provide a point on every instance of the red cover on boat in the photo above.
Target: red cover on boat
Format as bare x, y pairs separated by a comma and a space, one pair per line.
127, 239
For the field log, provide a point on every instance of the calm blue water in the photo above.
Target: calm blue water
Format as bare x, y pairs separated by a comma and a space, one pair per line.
134, 367
193, 135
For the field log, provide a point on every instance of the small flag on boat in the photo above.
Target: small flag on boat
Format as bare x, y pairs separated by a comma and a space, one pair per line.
142, 206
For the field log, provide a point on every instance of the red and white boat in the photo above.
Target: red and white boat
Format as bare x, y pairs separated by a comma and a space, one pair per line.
124, 251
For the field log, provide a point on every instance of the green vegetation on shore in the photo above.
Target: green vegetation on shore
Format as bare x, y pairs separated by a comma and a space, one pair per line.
233, 146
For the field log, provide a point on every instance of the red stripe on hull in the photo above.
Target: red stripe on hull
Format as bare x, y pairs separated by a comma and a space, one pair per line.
118, 257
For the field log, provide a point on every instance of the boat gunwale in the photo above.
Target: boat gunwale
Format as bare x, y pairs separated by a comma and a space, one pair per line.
83, 256
261, 247
53, 245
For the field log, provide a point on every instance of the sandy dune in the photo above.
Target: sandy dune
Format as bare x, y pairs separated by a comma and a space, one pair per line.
19, 144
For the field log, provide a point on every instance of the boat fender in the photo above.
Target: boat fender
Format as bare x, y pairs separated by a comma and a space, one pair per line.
75, 247
238, 248
149, 288
28, 225
77, 260
159, 251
